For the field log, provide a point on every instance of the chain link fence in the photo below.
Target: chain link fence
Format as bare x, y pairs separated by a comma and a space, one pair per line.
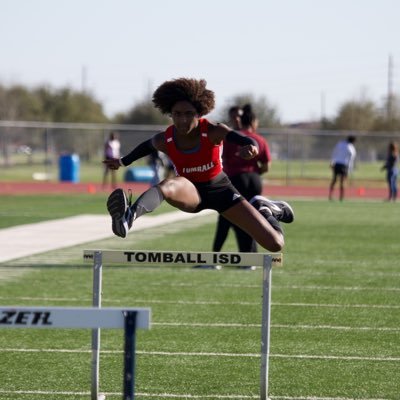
297, 153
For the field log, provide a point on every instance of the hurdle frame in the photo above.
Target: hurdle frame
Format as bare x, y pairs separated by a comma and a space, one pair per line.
96, 302
151, 257
83, 318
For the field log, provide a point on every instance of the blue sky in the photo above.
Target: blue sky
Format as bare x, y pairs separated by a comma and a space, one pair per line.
305, 56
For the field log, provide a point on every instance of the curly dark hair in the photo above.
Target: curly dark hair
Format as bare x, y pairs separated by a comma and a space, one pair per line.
248, 116
184, 89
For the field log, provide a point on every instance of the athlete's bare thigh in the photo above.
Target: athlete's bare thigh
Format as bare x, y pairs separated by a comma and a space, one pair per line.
180, 193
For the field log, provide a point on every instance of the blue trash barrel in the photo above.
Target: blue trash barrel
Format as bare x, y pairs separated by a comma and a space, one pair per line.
69, 168
139, 174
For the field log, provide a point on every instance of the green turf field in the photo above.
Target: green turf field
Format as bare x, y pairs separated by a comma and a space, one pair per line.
335, 311
291, 171
28, 209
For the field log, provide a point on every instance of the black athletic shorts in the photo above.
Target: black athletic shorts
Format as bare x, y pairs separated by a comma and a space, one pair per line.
218, 194
340, 169
249, 184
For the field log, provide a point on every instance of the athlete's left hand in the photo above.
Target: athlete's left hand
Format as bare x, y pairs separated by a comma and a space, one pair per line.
248, 152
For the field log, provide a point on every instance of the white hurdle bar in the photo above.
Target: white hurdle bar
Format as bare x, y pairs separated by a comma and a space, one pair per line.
80, 317
148, 257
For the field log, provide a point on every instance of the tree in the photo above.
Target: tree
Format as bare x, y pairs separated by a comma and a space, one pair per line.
356, 115
45, 104
266, 113
143, 112
69, 106
18, 103
389, 115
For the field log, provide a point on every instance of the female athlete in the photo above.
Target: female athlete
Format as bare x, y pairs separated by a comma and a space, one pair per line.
194, 146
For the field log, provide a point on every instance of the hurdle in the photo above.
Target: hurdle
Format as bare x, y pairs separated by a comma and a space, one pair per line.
148, 257
90, 317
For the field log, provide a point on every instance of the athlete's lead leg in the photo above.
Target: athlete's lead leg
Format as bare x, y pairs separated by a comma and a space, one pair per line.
177, 191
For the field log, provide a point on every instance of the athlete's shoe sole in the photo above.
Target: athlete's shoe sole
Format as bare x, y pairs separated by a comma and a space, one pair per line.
281, 210
117, 205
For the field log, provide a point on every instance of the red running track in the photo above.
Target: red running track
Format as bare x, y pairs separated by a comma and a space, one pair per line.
20, 188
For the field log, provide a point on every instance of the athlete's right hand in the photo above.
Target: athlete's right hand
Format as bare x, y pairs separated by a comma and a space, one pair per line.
248, 152
112, 163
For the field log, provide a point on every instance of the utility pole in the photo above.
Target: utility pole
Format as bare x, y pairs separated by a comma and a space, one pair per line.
389, 104
83, 78
322, 100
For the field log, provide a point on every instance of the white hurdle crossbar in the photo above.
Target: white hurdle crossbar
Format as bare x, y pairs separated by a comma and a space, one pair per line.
80, 317
148, 257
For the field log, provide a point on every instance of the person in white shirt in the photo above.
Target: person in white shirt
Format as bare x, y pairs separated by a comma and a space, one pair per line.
111, 150
342, 164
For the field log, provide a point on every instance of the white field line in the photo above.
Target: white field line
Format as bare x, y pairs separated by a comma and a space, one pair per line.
291, 287
284, 287
206, 354
239, 325
342, 273
10, 273
276, 326
340, 288
280, 326
336, 305
207, 303
180, 396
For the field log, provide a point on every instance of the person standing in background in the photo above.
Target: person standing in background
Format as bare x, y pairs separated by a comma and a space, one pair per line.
235, 114
111, 151
342, 164
223, 225
392, 171
244, 174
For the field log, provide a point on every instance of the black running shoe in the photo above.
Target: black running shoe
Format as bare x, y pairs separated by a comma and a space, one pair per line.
279, 209
130, 213
121, 214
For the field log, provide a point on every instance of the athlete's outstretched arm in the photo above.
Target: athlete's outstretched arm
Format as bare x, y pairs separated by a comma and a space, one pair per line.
249, 146
142, 150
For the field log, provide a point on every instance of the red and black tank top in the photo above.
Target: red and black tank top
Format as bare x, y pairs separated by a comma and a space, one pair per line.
200, 164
